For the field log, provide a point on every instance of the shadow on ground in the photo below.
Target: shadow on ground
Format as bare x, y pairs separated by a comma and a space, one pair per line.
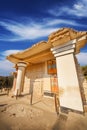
60, 123
72, 121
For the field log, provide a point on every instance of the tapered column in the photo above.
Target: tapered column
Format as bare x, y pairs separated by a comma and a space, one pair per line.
20, 77
14, 81
68, 81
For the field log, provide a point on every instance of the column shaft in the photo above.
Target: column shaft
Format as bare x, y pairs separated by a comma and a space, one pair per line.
20, 76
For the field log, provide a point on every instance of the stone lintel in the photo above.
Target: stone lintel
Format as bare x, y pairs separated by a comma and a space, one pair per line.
64, 53
82, 38
64, 49
70, 43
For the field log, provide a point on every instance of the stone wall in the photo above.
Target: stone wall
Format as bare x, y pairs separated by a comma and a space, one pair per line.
83, 85
37, 79
85, 89
81, 79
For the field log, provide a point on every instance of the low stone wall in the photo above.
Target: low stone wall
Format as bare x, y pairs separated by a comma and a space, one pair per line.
85, 89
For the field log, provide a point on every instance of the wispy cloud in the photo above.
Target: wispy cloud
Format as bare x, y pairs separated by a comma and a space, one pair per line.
32, 30
78, 9
82, 58
26, 31
52, 22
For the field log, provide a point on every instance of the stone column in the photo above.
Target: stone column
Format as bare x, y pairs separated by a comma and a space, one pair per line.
20, 77
14, 81
68, 81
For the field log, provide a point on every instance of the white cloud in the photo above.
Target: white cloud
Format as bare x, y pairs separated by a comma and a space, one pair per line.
78, 6
26, 31
8, 52
50, 22
6, 67
82, 58
79, 9
32, 30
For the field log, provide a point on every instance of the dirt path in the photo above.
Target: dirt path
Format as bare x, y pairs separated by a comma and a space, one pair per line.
19, 115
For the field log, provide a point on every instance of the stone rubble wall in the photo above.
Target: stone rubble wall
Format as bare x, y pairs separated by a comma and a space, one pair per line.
83, 83
85, 89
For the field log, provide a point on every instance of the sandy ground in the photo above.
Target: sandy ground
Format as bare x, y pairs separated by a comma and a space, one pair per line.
20, 115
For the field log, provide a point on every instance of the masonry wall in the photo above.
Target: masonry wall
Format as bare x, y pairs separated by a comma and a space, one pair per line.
85, 89
37, 79
83, 85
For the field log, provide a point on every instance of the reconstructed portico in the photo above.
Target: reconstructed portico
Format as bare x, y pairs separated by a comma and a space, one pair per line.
38, 64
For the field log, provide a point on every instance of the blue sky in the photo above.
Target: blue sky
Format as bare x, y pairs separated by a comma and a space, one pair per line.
26, 22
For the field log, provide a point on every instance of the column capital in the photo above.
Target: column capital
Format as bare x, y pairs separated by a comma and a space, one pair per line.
22, 64
64, 49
